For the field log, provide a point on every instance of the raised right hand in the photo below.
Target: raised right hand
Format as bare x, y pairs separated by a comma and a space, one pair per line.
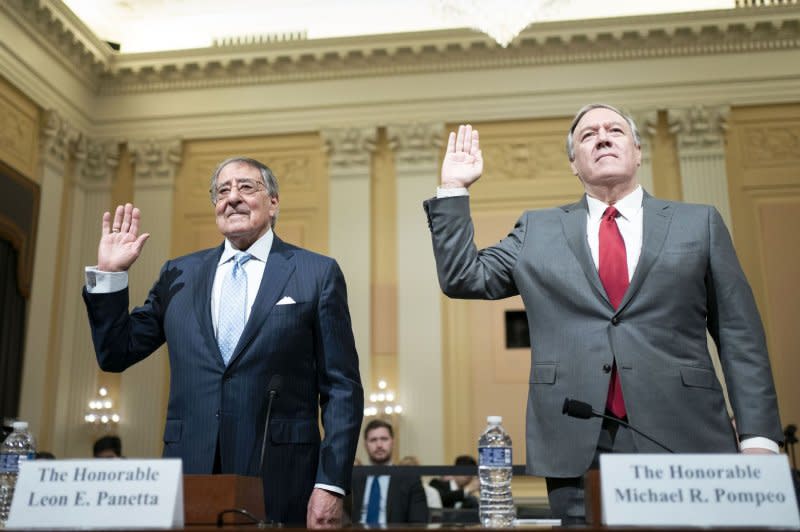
463, 162
120, 243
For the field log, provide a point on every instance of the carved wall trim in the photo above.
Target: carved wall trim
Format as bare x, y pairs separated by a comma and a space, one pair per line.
18, 139
349, 148
56, 28
58, 139
416, 144
699, 129
155, 161
771, 145
95, 162
639, 37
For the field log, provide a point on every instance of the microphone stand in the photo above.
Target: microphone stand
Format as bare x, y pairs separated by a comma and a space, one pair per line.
272, 394
583, 410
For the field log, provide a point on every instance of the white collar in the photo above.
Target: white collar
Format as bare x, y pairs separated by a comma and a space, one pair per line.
628, 206
259, 250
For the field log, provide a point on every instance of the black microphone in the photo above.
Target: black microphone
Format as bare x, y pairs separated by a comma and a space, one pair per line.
789, 441
273, 391
581, 410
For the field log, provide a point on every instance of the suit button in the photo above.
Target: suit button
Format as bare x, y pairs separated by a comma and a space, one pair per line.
615, 321
606, 368
216, 414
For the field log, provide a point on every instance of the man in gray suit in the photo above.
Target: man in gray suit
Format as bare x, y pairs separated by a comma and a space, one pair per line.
619, 290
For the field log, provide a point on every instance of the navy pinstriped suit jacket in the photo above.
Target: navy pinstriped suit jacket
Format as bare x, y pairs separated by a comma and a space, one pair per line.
309, 343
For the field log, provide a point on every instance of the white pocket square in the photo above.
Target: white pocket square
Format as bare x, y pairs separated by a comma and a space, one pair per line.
286, 301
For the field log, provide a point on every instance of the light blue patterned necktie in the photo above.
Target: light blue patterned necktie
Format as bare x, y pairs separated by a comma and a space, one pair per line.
232, 306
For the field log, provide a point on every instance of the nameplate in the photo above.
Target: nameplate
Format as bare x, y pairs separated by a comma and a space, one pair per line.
100, 493
697, 490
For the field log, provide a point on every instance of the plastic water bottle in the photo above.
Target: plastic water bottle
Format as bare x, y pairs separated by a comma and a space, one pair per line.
18, 446
494, 471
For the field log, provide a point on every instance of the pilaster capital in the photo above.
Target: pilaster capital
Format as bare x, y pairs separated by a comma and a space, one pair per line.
417, 143
349, 148
57, 139
647, 122
95, 161
155, 161
699, 127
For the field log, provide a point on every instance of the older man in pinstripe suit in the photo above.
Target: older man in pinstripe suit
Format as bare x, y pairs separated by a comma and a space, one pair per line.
233, 317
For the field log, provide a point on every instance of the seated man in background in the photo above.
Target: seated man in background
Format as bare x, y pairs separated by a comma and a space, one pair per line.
107, 447
431, 494
383, 499
459, 491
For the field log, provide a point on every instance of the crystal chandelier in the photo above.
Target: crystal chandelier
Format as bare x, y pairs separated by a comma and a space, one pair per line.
101, 412
382, 403
502, 20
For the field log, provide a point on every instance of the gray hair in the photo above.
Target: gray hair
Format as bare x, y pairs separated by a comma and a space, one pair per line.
585, 109
267, 178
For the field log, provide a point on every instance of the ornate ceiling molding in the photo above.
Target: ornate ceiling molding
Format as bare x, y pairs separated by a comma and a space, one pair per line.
744, 29
64, 35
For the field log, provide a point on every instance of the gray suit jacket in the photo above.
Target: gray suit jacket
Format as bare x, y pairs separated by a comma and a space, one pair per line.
688, 279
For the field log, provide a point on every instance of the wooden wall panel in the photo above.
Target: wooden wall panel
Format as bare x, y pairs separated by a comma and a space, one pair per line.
764, 184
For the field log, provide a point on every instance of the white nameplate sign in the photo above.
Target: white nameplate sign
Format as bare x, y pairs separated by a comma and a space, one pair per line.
100, 493
697, 490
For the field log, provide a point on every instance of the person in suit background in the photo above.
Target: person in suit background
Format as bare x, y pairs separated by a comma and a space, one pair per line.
459, 491
432, 497
234, 317
107, 447
386, 499
619, 290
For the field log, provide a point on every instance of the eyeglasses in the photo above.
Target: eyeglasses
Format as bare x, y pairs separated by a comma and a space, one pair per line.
245, 187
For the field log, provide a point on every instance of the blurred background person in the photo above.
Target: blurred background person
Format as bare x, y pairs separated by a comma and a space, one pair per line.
107, 447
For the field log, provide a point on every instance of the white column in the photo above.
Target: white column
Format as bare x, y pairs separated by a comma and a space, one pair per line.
349, 165
144, 386
700, 132
419, 343
95, 165
36, 396
646, 121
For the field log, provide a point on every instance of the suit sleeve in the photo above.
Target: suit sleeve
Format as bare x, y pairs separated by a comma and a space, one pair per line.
417, 503
735, 325
341, 396
464, 272
122, 338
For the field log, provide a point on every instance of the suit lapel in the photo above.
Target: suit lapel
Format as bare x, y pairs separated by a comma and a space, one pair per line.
656, 217
279, 268
574, 222
202, 300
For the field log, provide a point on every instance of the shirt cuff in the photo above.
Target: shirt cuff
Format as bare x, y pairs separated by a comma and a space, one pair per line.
451, 192
99, 282
760, 442
332, 489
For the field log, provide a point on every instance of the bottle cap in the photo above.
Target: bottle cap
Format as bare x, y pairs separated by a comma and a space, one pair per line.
20, 425
494, 420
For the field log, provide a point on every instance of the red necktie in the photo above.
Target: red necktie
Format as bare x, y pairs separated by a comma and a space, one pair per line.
613, 270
